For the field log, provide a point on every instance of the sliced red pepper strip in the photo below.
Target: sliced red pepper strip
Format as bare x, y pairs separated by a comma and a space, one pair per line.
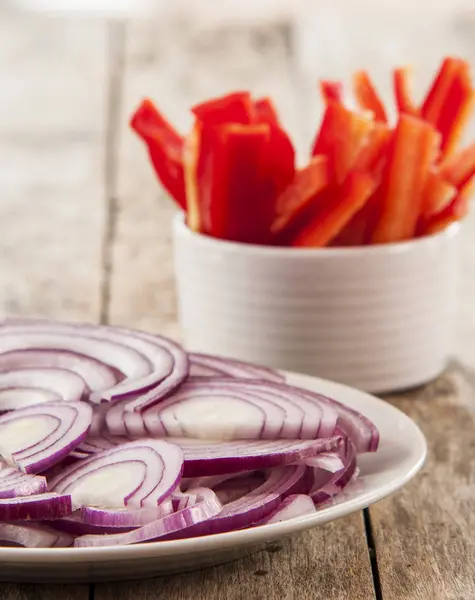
402, 94
455, 211
340, 137
437, 95
306, 185
191, 156
232, 108
459, 168
333, 215
372, 153
241, 171
367, 96
165, 147
437, 193
331, 90
371, 158
265, 112
411, 154
455, 111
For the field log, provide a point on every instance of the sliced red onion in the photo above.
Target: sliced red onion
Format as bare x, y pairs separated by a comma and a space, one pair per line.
225, 410
361, 431
74, 526
21, 397
327, 461
293, 506
137, 474
14, 483
95, 374
94, 445
153, 365
232, 489
215, 458
125, 517
204, 509
326, 484
281, 482
255, 506
27, 387
121, 422
123, 358
34, 536
35, 508
205, 365
209, 481
35, 438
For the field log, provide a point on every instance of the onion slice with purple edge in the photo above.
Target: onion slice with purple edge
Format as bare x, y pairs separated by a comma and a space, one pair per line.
95, 374
293, 506
14, 483
35, 438
42, 506
326, 484
253, 507
125, 518
137, 474
206, 507
216, 458
26, 387
205, 365
34, 536
245, 409
238, 409
153, 366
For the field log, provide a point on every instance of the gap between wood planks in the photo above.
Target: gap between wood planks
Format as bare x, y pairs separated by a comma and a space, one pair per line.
116, 58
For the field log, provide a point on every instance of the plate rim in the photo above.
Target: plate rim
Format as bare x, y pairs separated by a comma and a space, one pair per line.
243, 537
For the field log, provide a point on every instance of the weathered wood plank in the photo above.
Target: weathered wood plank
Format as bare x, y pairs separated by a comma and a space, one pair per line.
328, 563
51, 159
52, 123
424, 539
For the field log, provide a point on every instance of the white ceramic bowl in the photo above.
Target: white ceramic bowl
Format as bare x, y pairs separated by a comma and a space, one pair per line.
379, 318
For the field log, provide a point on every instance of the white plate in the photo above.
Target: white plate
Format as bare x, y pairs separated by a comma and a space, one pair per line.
401, 454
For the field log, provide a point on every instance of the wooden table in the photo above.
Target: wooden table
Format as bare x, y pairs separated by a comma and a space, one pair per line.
84, 234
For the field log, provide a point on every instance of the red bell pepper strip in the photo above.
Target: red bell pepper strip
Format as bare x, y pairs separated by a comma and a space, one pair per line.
334, 214
331, 91
437, 193
305, 187
372, 153
402, 94
265, 112
191, 156
410, 156
455, 111
453, 212
232, 108
437, 95
165, 147
340, 137
371, 158
367, 96
460, 167
240, 172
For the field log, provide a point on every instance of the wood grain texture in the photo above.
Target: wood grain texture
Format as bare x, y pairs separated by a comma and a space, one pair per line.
328, 563
51, 167
424, 539
52, 123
